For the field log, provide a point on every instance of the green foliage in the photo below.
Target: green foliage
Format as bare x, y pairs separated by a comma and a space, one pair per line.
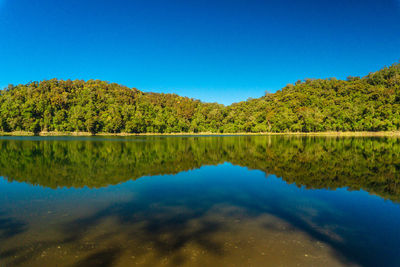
371, 103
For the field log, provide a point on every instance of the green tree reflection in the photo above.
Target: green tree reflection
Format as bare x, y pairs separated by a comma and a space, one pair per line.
371, 164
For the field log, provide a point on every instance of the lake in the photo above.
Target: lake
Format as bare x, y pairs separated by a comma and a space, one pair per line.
199, 201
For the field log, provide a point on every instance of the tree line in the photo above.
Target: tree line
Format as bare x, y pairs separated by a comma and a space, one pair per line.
370, 103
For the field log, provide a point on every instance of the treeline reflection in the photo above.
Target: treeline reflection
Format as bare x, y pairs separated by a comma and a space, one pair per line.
371, 164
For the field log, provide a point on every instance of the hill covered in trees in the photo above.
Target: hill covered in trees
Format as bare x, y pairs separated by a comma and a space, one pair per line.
371, 103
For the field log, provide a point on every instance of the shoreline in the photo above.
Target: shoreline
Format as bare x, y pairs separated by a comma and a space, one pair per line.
350, 134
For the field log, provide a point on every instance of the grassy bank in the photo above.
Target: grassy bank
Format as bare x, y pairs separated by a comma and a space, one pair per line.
23, 133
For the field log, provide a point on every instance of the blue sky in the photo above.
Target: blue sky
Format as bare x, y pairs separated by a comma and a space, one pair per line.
215, 51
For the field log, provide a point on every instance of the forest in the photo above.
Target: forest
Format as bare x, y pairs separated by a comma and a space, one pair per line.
370, 103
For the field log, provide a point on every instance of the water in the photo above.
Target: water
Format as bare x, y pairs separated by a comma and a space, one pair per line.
199, 201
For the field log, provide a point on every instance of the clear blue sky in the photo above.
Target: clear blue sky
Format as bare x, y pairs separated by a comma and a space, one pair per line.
218, 51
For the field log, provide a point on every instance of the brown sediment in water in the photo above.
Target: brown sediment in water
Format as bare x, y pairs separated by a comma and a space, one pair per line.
217, 238
221, 215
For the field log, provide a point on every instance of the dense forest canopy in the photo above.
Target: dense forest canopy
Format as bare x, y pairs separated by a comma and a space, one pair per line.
371, 164
371, 103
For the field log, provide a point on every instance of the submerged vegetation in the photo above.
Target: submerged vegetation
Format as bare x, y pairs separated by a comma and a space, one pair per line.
371, 164
371, 103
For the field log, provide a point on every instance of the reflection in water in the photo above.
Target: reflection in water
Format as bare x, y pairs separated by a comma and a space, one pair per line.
216, 215
371, 164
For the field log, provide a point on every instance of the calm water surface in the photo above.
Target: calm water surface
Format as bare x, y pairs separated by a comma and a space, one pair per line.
199, 201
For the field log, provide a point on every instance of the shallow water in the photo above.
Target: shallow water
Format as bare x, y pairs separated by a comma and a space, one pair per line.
199, 201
